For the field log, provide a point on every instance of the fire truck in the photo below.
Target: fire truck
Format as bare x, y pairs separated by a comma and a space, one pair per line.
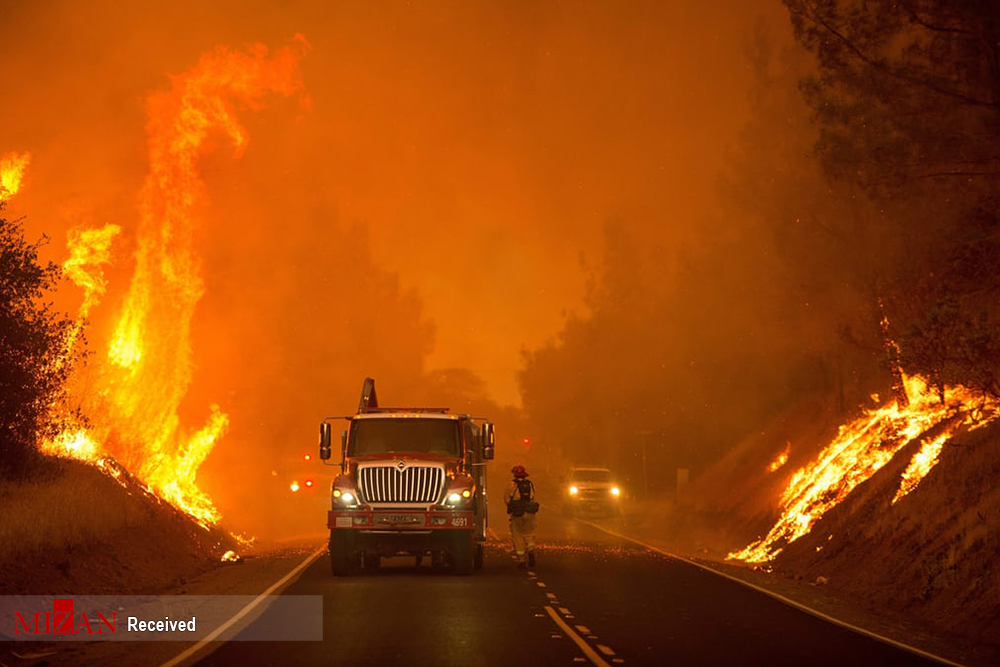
412, 482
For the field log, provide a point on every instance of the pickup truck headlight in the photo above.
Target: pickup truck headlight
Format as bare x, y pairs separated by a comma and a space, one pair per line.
573, 490
615, 491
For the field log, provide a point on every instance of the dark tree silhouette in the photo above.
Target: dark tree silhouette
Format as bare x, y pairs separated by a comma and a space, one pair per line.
33, 363
907, 99
906, 90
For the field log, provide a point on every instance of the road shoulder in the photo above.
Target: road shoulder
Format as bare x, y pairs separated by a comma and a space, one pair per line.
821, 599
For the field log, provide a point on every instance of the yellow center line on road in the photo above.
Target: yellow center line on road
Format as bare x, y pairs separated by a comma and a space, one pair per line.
178, 659
577, 639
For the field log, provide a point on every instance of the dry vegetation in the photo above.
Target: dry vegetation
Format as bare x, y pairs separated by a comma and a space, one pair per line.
71, 527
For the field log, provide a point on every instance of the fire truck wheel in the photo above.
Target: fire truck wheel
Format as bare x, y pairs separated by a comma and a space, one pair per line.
462, 552
343, 558
371, 561
478, 564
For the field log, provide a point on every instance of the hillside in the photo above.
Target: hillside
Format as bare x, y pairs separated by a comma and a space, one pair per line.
932, 557
83, 529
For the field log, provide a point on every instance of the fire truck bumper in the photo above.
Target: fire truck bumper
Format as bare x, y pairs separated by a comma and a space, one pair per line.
399, 521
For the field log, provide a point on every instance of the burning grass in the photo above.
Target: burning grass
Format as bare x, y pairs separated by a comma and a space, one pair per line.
933, 553
861, 448
928, 561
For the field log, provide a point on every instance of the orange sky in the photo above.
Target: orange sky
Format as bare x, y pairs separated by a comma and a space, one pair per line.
483, 144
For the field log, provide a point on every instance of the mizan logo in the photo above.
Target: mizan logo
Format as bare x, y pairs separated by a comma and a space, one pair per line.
62, 621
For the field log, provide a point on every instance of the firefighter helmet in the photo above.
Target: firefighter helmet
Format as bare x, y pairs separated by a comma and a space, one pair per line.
519, 471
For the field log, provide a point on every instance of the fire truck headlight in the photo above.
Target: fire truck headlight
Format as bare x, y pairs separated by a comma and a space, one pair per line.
573, 490
458, 497
347, 497
615, 491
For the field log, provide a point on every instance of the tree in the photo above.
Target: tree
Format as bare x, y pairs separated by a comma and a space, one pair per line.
33, 356
907, 90
952, 346
907, 100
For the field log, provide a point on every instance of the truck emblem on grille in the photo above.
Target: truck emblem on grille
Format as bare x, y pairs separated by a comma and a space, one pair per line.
401, 465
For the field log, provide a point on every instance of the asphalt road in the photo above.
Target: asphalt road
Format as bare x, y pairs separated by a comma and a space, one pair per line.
628, 606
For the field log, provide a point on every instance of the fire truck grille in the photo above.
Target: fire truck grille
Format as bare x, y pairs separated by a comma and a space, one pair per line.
414, 484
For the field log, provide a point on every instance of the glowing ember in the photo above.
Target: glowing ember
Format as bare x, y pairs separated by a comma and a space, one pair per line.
243, 540
860, 449
148, 368
12, 166
230, 557
294, 486
782, 459
920, 465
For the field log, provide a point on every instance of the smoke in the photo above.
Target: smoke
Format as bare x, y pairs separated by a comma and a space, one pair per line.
426, 210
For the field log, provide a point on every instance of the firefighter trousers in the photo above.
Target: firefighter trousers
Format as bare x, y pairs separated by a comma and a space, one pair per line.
522, 531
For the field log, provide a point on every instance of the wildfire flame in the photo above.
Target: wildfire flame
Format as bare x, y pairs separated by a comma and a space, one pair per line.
12, 167
861, 448
148, 368
77, 444
781, 459
89, 251
920, 465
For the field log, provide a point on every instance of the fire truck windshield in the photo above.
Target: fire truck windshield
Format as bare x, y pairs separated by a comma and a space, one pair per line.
409, 435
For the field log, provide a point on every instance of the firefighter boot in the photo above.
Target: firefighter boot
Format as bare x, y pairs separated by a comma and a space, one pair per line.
531, 558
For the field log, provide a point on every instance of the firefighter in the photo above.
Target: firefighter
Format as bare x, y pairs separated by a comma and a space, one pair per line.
521, 506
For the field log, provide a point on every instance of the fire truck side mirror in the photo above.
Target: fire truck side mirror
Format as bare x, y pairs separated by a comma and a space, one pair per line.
343, 445
324, 441
489, 441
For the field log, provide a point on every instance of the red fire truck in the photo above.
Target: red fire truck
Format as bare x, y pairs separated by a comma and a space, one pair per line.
412, 482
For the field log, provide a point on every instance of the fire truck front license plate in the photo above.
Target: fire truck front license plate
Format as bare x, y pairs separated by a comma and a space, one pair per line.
401, 519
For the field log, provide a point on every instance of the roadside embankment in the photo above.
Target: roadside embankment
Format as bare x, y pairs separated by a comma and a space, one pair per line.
925, 568
76, 528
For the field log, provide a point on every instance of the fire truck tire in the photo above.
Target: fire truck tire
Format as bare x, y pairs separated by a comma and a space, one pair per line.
343, 558
478, 562
463, 552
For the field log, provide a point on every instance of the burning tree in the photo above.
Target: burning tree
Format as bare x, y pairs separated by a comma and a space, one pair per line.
33, 349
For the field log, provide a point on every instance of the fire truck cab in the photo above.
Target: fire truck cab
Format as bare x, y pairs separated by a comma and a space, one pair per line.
412, 482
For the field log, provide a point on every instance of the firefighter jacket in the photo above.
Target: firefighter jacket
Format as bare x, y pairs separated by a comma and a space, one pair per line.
520, 497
